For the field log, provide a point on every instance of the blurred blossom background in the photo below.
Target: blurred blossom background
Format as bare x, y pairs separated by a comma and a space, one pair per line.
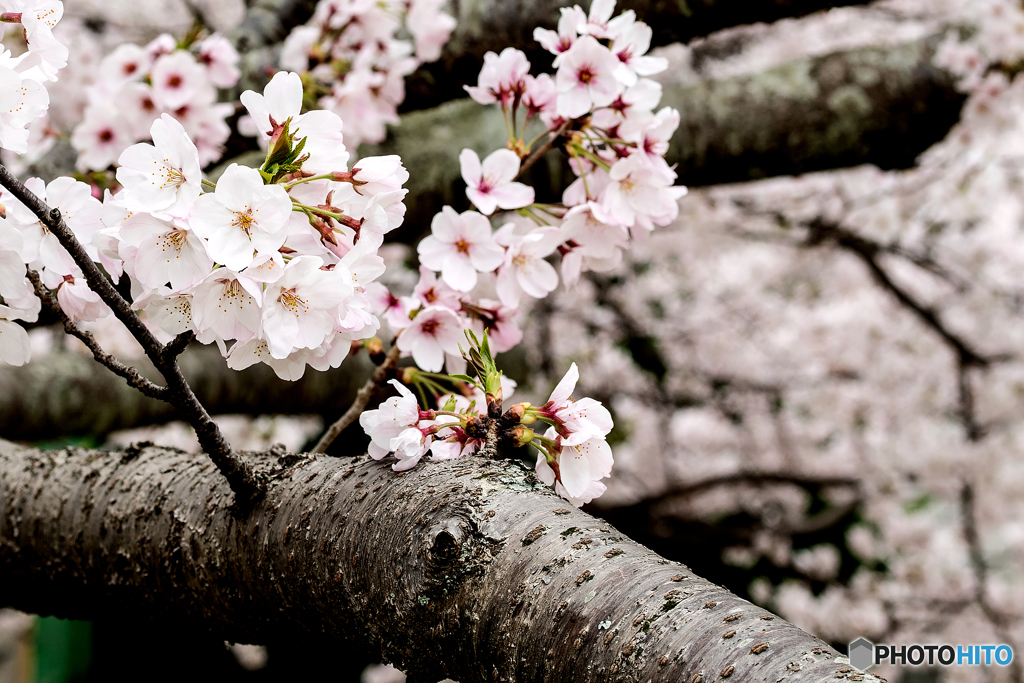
816, 372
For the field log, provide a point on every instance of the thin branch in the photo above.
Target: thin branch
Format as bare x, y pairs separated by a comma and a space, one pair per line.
176, 346
363, 397
980, 568
868, 252
130, 374
543, 149
246, 484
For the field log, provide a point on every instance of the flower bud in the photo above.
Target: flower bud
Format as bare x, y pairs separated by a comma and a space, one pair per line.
521, 435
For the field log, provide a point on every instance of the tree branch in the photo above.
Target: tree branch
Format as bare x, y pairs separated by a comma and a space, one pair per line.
468, 568
375, 382
66, 393
130, 374
241, 477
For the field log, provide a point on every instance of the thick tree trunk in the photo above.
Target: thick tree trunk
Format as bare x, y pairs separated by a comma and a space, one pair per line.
63, 394
469, 569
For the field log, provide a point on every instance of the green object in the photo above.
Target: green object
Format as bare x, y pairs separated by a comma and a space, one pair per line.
63, 650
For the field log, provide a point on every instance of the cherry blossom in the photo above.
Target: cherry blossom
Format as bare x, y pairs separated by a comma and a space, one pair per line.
586, 78
15, 348
524, 270
641, 194
165, 176
491, 185
559, 42
389, 420
434, 332
502, 79
227, 305
297, 306
241, 217
164, 252
220, 58
630, 46
177, 79
459, 246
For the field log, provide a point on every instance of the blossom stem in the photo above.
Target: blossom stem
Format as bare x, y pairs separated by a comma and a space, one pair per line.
207, 183
598, 161
583, 175
290, 185
527, 213
543, 149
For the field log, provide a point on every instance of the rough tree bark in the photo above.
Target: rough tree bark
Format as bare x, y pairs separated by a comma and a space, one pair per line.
469, 569
65, 394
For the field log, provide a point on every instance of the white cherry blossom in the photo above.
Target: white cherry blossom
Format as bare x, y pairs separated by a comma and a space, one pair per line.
297, 306
164, 176
390, 419
241, 217
164, 252
524, 270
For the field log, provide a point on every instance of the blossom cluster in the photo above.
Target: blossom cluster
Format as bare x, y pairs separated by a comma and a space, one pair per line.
136, 85
574, 455
354, 63
276, 260
23, 97
601, 111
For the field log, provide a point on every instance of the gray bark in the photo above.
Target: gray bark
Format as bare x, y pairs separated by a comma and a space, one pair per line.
65, 394
880, 106
468, 569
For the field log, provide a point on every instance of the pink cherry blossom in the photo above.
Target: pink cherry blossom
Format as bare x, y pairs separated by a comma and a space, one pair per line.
586, 78
460, 245
127, 62
502, 78
220, 58
430, 28
101, 137
434, 332
630, 46
177, 79
492, 185
559, 42
430, 291
641, 194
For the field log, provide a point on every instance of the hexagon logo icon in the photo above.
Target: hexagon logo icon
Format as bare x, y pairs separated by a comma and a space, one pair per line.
862, 654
